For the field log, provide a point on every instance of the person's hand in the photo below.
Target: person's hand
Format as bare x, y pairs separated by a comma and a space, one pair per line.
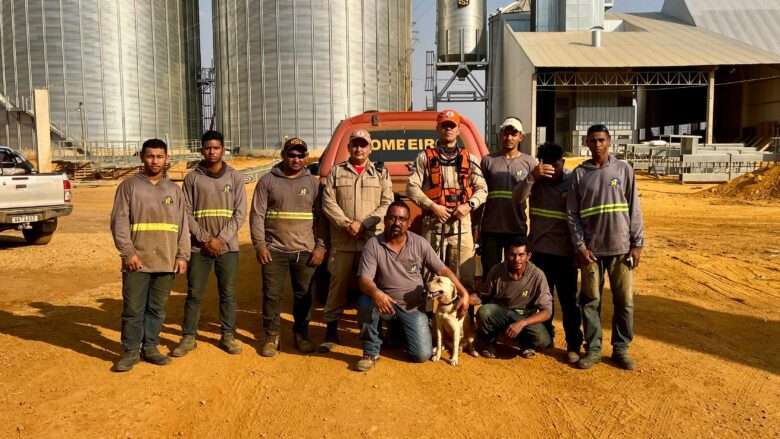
515, 329
585, 257
214, 246
354, 228
543, 170
474, 299
134, 263
636, 254
384, 303
440, 212
317, 256
263, 256
462, 211
463, 306
180, 266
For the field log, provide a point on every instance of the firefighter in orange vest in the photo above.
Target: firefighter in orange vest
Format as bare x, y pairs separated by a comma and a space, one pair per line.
448, 185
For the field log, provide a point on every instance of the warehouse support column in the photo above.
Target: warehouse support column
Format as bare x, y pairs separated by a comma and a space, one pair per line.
710, 107
533, 116
42, 130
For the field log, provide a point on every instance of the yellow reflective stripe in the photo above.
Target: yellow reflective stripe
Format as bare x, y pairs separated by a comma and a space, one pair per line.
605, 208
227, 213
555, 214
154, 227
274, 214
500, 194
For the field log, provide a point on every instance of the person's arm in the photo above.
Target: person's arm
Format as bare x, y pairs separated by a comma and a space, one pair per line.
189, 197
318, 226
636, 228
576, 229
414, 188
521, 192
183, 248
330, 204
257, 221
230, 230
120, 229
478, 184
463, 294
387, 197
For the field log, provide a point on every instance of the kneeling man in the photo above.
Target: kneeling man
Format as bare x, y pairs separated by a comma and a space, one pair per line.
517, 302
391, 279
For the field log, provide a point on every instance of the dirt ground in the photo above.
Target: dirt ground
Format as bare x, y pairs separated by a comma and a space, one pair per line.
707, 329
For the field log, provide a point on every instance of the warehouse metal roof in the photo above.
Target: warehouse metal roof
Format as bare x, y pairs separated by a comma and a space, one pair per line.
645, 40
754, 22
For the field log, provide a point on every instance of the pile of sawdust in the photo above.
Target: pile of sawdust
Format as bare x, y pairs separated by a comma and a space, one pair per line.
762, 184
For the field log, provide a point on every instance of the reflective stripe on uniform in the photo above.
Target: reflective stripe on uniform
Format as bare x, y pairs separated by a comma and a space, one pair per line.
275, 214
154, 227
604, 208
500, 194
226, 213
555, 214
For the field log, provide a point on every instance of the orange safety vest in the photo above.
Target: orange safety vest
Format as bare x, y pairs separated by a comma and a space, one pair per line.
449, 197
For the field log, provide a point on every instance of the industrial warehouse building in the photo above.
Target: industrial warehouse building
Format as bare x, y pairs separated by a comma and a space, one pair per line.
644, 75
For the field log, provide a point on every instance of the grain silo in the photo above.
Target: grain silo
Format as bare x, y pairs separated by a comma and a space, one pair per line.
297, 67
118, 71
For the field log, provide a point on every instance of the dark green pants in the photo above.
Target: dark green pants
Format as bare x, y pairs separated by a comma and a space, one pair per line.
492, 320
284, 266
225, 266
144, 296
621, 284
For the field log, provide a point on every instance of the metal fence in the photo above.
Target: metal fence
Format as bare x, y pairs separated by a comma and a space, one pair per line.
120, 154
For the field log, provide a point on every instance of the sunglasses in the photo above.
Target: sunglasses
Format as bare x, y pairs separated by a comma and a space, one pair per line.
294, 155
358, 145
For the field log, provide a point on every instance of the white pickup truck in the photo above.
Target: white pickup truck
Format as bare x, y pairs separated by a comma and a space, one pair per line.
29, 201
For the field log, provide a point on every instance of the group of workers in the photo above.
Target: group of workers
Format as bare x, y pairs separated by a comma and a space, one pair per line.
588, 220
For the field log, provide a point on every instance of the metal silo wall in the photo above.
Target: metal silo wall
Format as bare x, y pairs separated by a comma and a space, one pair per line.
132, 64
298, 67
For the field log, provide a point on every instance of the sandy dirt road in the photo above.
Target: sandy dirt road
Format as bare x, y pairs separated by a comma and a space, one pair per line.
707, 330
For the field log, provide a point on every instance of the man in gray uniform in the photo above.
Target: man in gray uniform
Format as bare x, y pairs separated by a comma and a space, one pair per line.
150, 231
605, 222
216, 208
287, 242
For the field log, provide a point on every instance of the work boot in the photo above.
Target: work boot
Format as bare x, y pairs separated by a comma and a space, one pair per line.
186, 345
589, 360
126, 361
270, 346
366, 363
622, 360
572, 357
152, 355
331, 337
528, 353
229, 344
303, 344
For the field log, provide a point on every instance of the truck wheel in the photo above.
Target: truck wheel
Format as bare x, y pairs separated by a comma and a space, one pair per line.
41, 232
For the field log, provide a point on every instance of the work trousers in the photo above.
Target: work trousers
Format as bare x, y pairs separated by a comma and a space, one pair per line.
285, 266
225, 267
620, 281
561, 277
342, 266
414, 324
491, 248
144, 296
463, 260
493, 319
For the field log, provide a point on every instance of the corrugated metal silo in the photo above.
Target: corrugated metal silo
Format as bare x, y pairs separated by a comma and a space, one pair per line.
461, 24
132, 64
297, 67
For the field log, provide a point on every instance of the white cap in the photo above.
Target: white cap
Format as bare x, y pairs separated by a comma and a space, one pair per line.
512, 122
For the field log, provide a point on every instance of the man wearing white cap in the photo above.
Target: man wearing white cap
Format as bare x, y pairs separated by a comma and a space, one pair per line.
502, 220
355, 199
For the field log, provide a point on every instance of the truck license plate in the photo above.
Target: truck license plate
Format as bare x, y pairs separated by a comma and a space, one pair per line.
24, 219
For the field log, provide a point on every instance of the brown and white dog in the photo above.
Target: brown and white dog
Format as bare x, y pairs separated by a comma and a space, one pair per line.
441, 291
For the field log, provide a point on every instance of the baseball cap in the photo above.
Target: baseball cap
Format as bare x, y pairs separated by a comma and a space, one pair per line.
512, 122
448, 116
360, 134
295, 143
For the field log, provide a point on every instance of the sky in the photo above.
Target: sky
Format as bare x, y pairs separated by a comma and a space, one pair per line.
424, 35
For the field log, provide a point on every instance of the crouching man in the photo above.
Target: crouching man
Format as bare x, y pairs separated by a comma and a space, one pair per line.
517, 302
390, 277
